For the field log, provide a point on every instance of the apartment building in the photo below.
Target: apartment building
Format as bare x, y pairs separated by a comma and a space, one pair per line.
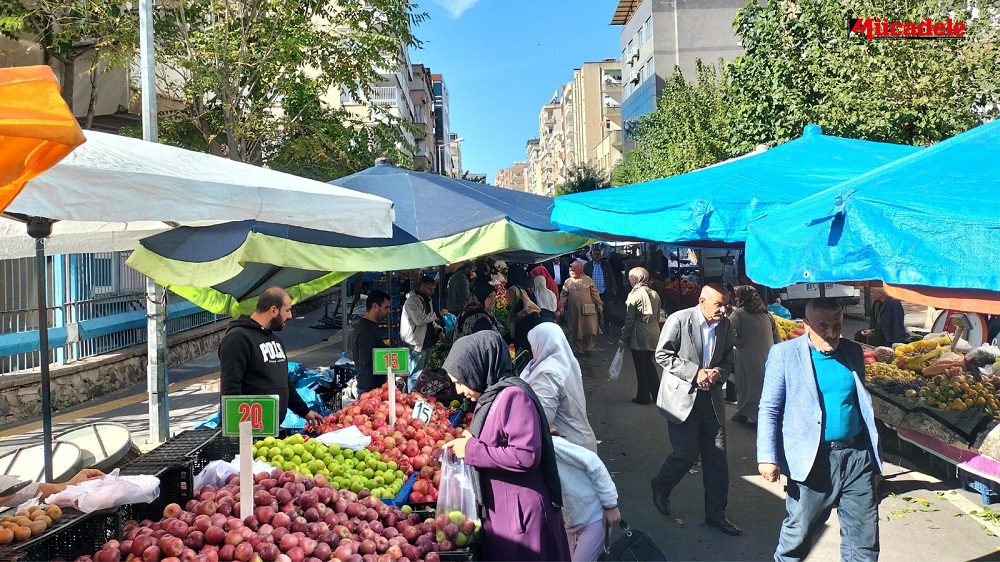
658, 35
442, 127
514, 177
597, 119
455, 148
554, 154
533, 167
422, 95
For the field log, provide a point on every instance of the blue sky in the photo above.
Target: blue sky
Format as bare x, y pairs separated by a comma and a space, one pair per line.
502, 60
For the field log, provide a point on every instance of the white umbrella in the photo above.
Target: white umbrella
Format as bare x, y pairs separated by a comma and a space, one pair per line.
114, 190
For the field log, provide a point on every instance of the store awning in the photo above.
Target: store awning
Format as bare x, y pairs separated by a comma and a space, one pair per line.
439, 220
37, 129
712, 206
927, 225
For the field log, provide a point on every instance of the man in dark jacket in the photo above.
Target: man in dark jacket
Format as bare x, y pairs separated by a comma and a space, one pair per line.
253, 358
603, 273
365, 337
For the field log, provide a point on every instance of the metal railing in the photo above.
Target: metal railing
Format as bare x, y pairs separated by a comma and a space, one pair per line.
95, 304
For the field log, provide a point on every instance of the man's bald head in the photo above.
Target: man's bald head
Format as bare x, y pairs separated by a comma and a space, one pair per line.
712, 302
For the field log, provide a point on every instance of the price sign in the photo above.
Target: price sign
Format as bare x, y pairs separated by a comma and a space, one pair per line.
397, 359
260, 411
422, 411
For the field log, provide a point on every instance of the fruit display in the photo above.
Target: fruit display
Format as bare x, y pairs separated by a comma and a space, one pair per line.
28, 523
921, 354
884, 354
453, 530
425, 486
788, 329
294, 519
959, 393
342, 468
409, 443
892, 379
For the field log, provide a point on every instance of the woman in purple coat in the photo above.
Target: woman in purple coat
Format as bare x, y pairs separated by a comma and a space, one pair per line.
511, 453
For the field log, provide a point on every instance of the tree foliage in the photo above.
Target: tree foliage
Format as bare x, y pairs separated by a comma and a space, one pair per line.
801, 66
581, 178
251, 75
689, 129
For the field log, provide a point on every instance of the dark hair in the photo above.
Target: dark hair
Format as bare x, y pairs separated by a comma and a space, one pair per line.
272, 296
427, 280
826, 304
466, 267
375, 298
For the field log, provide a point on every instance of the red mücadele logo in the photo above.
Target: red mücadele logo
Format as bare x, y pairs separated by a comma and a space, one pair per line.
875, 28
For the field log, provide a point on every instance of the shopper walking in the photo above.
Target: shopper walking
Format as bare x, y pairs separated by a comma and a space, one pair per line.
582, 305
509, 446
817, 426
756, 332
696, 352
546, 300
419, 328
605, 279
522, 317
590, 499
640, 334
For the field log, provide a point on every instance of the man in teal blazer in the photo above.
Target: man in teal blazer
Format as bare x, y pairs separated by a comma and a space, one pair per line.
816, 424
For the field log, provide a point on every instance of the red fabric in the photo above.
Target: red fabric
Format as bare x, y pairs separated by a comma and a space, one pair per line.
550, 283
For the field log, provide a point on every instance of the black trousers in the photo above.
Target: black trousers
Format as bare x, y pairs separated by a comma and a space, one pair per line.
701, 433
646, 374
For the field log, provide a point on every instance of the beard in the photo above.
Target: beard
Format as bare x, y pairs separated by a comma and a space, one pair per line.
276, 324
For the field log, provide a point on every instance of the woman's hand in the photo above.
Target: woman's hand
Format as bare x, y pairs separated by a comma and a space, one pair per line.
612, 516
458, 445
85, 474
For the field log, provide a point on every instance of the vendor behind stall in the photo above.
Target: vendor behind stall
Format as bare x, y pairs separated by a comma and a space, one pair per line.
35, 488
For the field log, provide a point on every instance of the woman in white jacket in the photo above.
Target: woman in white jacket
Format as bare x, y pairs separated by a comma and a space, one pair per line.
590, 500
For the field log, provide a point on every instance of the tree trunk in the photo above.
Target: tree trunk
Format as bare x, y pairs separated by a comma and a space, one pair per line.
88, 122
68, 80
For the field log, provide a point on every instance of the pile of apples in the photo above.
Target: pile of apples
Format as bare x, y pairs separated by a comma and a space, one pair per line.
425, 487
294, 519
410, 443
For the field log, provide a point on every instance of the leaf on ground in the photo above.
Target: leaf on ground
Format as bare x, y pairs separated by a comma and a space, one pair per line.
679, 521
958, 515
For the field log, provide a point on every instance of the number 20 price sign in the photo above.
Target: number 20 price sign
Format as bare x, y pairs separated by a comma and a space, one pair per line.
260, 411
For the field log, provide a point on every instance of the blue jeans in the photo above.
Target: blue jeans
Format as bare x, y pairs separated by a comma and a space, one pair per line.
841, 479
417, 361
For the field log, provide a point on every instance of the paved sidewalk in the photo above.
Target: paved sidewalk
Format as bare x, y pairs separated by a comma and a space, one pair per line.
193, 399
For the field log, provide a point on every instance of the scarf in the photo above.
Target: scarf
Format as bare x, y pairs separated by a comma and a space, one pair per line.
481, 361
521, 307
551, 352
482, 291
546, 298
550, 283
748, 299
639, 278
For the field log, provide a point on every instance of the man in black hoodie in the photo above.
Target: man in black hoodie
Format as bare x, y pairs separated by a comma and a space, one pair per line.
253, 358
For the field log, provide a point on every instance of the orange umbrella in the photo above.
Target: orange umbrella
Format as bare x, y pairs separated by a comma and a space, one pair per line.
37, 129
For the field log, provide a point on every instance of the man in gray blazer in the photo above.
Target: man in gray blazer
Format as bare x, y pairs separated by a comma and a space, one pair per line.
816, 424
696, 353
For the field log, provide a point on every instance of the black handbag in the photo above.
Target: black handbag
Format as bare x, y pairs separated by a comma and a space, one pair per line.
633, 546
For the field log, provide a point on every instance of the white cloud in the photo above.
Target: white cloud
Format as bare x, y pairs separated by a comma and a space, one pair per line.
456, 7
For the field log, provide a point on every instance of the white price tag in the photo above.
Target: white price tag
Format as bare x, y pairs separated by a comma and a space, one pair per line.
422, 411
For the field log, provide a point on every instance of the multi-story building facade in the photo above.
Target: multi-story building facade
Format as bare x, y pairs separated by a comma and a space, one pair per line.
554, 154
596, 100
442, 127
533, 167
514, 177
455, 147
658, 35
422, 94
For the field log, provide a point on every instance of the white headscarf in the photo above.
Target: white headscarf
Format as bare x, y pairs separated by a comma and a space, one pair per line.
551, 352
546, 299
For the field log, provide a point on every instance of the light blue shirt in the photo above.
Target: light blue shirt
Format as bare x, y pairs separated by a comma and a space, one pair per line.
708, 338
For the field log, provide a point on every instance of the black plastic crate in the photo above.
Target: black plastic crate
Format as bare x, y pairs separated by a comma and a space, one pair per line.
76, 534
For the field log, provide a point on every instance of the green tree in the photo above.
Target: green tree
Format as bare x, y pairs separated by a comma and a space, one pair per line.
688, 130
250, 75
800, 66
581, 178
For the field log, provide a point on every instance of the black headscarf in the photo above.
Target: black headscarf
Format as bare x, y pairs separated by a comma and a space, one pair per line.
482, 291
481, 361
748, 299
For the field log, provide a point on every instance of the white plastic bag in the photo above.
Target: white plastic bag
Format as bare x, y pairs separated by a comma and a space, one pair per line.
349, 438
110, 491
215, 474
616, 364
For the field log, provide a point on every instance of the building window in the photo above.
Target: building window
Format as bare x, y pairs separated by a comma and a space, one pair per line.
638, 38
631, 48
649, 68
649, 28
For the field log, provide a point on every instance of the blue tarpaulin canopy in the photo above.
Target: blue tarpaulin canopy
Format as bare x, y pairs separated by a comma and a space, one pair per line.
711, 206
927, 224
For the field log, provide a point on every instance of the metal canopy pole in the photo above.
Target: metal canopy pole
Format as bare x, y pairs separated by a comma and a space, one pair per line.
39, 229
156, 306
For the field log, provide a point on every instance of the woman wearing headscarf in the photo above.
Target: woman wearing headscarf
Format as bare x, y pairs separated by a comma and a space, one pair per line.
522, 318
547, 301
509, 447
478, 314
554, 374
550, 283
641, 333
583, 306
756, 332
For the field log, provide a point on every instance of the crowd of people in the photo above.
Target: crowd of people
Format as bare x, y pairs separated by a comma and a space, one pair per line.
543, 492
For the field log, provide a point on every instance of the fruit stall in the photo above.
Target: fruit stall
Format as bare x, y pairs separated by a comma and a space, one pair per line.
313, 501
944, 401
